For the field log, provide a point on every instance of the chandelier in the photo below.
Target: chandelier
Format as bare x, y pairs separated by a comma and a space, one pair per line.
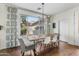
43, 11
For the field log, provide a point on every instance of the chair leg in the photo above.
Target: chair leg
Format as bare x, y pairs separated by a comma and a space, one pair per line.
54, 44
58, 44
22, 53
34, 52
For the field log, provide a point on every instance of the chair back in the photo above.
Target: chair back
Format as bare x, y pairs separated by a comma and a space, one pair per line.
55, 38
22, 45
47, 40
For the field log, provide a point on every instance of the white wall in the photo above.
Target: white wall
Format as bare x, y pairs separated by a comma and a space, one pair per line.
2, 23
68, 25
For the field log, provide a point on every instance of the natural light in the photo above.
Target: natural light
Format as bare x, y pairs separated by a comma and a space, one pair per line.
32, 19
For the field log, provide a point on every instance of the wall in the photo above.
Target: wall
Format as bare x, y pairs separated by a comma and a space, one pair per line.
2, 23
68, 23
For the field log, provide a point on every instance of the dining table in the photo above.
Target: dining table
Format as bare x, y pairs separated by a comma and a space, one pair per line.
37, 39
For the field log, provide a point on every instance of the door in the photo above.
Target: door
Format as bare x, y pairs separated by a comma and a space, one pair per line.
67, 30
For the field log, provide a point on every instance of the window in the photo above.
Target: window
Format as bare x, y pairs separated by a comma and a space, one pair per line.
13, 23
11, 26
8, 37
32, 19
8, 23
8, 30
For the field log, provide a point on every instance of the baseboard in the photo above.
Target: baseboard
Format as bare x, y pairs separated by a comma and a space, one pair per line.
63, 41
70, 44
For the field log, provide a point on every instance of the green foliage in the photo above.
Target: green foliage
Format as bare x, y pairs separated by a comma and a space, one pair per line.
23, 31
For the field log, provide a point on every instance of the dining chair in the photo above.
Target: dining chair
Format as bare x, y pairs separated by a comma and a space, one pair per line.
47, 42
25, 47
55, 40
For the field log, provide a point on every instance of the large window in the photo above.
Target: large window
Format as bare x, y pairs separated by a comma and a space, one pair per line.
27, 24
11, 24
32, 25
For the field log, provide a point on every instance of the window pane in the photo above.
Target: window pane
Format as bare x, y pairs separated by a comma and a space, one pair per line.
32, 19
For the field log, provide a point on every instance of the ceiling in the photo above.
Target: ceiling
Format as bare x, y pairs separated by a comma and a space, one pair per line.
49, 8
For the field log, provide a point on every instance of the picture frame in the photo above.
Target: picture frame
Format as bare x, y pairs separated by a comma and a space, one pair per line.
54, 25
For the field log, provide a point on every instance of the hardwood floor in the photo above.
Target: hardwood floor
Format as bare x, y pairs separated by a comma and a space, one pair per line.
63, 50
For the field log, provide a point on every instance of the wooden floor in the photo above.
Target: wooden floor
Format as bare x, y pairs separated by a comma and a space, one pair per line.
63, 50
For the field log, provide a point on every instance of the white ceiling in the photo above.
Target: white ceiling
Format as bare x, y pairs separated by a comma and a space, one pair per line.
49, 8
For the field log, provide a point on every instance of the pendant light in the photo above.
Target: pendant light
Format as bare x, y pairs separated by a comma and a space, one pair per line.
42, 17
